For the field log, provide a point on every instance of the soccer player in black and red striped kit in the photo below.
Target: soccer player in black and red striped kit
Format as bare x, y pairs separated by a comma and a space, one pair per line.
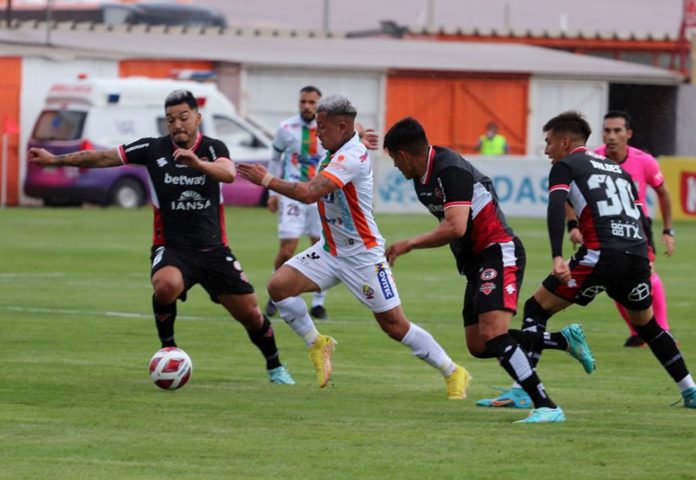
614, 255
190, 245
486, 250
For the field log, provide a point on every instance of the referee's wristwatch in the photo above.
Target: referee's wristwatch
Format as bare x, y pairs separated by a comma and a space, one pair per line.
668, 231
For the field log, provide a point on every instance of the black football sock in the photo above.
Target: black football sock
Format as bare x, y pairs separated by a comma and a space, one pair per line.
518, 365
664, 347
534, 320
539, 341
264, 339
164, 320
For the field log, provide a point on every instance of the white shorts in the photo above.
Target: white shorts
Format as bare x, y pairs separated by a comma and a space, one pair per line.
296, 219
372, 284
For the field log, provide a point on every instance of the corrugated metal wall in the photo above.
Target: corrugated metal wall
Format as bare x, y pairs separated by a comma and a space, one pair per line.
455, 109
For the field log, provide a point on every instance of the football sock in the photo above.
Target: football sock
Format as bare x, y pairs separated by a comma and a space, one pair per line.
534, 320
539, 341
318, 298
664, 348
517, 364
425, 347
686, 383
659, 302
164, 320
294, 312
264, 339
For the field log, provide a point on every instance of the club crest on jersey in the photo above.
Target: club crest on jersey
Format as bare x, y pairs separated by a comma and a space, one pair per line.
487, 288
384, 281
190, 200
488, 274
368, 292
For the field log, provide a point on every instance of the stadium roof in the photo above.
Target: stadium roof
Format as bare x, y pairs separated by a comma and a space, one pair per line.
288, 49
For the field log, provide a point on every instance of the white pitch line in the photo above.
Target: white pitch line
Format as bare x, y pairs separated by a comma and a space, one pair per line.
91, 313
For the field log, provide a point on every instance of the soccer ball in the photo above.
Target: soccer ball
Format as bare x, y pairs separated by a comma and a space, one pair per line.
170, 368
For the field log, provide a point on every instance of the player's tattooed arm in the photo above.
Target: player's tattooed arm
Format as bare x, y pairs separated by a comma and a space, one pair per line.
83, 159
305, 192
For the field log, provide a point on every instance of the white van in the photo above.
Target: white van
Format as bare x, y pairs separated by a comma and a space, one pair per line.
103, 113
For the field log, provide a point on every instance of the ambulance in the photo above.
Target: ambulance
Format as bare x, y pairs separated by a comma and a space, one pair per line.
103, 113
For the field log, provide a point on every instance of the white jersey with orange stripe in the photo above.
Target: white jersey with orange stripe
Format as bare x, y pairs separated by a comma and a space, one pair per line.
348, 223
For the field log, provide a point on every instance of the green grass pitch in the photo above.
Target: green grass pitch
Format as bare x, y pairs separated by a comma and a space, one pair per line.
76, 401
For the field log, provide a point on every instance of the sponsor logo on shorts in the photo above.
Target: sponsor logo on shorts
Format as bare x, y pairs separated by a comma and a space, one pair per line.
384, 281
510, 289
368, 292
236, 264
487, 288
304, 259
488, 274
640, 292
593, 291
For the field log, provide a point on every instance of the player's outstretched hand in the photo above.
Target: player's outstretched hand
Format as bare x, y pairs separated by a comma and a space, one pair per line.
40, 156
397, 249
252, 172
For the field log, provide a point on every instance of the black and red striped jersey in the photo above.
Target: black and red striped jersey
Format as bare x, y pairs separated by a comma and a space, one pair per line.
187, 203
450, 180
604, 199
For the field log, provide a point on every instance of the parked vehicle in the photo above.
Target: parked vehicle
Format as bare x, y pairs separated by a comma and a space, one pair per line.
105, 113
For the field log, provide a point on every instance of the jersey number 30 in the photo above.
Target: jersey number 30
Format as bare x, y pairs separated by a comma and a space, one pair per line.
618, 193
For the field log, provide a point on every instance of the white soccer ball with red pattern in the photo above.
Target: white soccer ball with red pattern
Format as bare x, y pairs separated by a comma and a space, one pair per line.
170, 368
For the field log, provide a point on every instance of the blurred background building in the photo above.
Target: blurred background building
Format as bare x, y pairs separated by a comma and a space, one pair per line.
454, 64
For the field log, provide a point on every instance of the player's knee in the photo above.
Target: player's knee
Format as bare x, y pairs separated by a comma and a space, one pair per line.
278, 289
477, 348
166, 292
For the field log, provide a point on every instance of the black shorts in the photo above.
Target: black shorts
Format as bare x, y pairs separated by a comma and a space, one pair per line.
215, 268
625, 277
493, 280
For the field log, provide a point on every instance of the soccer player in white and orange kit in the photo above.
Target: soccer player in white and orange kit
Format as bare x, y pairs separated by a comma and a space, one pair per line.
645, 171
351, 250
